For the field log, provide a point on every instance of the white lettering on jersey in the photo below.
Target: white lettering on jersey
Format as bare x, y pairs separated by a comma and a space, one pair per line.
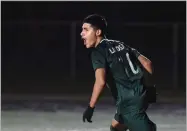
112, 50
118, 48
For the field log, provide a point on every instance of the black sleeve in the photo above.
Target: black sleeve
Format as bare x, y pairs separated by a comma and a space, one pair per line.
98, 59
135, 52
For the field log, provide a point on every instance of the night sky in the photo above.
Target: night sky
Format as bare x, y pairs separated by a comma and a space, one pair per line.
114, 11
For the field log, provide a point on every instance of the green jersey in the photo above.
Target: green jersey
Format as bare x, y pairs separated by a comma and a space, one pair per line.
123, 64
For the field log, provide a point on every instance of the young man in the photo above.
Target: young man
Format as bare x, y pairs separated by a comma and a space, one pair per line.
126, 66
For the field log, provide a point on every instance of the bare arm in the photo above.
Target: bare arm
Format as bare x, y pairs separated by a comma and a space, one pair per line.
98, 86
147, 64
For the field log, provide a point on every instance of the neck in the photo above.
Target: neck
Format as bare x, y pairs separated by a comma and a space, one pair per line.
98, 41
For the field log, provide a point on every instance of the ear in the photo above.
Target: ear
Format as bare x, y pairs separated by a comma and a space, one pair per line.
98, 32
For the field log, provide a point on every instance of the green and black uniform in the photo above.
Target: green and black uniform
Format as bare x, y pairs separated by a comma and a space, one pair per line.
122, 62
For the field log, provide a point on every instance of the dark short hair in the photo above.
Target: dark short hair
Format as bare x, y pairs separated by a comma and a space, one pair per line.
97, 21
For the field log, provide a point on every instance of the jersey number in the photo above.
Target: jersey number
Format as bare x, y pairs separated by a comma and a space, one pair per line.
131, 65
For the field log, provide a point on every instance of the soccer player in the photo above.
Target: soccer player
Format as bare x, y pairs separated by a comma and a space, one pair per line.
126, 66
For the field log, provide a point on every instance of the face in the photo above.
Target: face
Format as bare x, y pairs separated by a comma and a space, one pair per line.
89, 35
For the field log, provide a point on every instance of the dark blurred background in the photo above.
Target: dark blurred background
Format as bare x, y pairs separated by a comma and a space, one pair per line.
42, 53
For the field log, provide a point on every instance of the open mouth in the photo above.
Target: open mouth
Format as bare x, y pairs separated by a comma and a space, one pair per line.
84, 40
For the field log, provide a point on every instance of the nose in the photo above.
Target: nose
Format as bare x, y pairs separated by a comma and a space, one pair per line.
82, 33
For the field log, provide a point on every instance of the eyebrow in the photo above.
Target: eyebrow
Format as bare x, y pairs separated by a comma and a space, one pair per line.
84, 28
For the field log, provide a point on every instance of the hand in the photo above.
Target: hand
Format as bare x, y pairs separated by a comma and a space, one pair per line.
88, 113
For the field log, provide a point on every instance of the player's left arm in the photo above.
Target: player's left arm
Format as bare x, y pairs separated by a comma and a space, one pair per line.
146, 63
100, 76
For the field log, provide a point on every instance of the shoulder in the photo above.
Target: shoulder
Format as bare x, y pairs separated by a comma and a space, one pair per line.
107, 43
117, 43
110, 41
97, 52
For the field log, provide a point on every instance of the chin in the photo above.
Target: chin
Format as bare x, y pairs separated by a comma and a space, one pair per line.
88, 46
